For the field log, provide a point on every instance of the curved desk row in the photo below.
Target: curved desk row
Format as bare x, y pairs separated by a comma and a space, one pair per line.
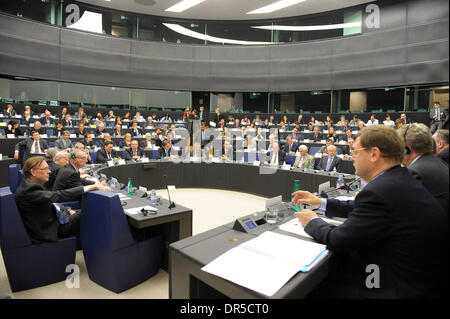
262, 181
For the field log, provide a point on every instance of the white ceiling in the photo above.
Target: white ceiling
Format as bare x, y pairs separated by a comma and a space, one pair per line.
225, 9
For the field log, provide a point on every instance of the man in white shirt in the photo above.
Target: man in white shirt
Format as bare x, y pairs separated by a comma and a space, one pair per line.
33, 145
372, 121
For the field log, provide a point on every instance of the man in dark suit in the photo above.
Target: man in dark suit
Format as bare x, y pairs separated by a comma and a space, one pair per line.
134, 152
165, 151
37, 126
290, 148
394, 243
69, 175
47, 119
203, 115
330, 162
438, 116
33, 145
64, 143
317, 136
55, 162
441, 139
67, 121
87, 141
422, 163
35, 204
135, 130
107, 153
277, 156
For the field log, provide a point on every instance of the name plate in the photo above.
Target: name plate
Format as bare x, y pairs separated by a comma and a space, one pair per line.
110, 163
121, 162
10, 136
256, 163
144, 159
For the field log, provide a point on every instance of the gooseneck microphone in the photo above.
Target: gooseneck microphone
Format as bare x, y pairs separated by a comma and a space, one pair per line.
171, 204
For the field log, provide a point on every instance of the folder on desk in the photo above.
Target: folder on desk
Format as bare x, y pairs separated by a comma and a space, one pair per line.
266, 263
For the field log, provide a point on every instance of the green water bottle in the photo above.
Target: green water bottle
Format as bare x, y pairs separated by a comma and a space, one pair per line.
130, 187
296, 208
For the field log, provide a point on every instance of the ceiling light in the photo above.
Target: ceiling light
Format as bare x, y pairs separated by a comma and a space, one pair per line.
182, 30
184, 5
275, 6
309, 27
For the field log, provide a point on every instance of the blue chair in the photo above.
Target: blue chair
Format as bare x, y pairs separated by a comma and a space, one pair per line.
93, 157
314, 149
30, 265
290, 159
15, 176
114, 260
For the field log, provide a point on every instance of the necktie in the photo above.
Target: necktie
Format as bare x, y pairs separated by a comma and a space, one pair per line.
36, 147
134, 153
328, 164
438, 114
109, 155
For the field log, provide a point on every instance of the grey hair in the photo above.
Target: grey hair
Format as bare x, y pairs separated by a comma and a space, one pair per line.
418, 136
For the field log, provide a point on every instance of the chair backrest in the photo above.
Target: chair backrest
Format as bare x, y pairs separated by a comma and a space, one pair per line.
15, 176
104, 226
290, 159
93, 157
314, 149
12, 230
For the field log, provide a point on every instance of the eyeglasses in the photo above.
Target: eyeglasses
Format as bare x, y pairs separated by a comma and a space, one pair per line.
43, 169
355, 151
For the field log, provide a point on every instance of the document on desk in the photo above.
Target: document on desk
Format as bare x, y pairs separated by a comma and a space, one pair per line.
137, 210
294, 226
266, 263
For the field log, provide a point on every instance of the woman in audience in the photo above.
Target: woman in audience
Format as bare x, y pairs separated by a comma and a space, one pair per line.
84, 120
117, 130
13, 128
127, 116
331, 134
388, 121
118, 120
126, 143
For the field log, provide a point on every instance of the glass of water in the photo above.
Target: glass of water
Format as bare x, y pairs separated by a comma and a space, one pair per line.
271, 215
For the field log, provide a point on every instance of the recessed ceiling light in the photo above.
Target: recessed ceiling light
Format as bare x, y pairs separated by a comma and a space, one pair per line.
184, 5
309, 27
275, 6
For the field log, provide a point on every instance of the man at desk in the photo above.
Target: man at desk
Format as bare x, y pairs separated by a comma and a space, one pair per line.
35, 204
277, 156
33, 145
317, 136
394, 225
165, 151
330, 162
107, 153
290, 148
135, 152
304, 160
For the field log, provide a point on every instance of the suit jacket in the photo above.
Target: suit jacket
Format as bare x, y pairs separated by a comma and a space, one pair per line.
66, 123
68, 177
54, 169
102, 157
281, 157
38, 214
204, 117
43, 121
443, 114
294, 148
162, 153
134, 133
28, 143
433, 174
307, 163
317, 138
337, 162
443, 155
59, 143
396, 224
129, 153
89, 144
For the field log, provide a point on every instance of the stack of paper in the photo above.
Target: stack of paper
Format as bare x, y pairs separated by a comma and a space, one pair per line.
294, 226
266, 263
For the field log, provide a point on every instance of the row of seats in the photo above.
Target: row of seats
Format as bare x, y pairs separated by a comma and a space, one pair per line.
114, 259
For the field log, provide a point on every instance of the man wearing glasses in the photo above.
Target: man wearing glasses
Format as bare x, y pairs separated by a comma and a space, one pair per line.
35, 204
69, 175
393, 224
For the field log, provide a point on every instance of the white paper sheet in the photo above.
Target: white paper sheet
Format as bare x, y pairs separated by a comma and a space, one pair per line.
294, 226
266, 263
137, 210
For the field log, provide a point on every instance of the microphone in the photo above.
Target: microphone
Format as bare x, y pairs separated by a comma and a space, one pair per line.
171, 204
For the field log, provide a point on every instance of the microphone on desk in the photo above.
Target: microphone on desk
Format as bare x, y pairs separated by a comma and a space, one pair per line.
171, 204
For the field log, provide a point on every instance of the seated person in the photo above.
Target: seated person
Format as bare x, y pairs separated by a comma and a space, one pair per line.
80, 146
347, 149
107, 153
317, 136
27, 119
80, 132
13, 128
388, 121
88, 142
332, 134
134, 152
148, 142
33, 145
324, 149
126, 142
165, 151
69, 175
290, 148
37, 126
64, 143
348, 134
100, 130
35, 203
9, 112
341, 121
110, 116
277, 156
330, 162
295, 135
67, 121
55, 160
372, 121
47, 120
117, 131
304, 160
134, 129
59, 129
227, 151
